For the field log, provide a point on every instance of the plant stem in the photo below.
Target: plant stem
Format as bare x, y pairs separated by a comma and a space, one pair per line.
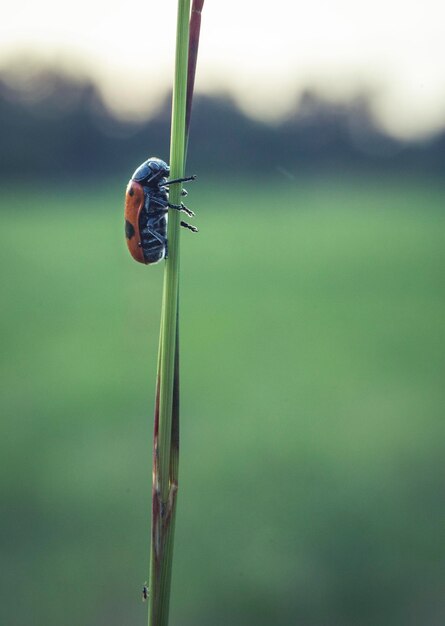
166, 431
195, 29
166, 426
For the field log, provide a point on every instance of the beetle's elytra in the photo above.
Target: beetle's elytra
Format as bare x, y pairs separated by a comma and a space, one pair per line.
146, 209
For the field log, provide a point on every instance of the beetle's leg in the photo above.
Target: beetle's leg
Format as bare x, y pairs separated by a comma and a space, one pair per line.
178, 207
179, 180
184, 192
192, 228
155, 235
181, 207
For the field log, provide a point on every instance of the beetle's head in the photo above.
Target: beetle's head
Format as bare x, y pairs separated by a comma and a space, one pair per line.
151, 171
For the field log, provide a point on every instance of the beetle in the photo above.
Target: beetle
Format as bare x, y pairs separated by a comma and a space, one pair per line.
146, 209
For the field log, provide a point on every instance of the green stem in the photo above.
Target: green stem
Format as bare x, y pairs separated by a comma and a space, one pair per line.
171, 275
165, 466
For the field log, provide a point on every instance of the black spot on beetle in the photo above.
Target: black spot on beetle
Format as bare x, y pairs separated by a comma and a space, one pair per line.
131, 191
129, 229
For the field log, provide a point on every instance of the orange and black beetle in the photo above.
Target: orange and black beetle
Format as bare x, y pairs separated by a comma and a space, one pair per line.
146, 209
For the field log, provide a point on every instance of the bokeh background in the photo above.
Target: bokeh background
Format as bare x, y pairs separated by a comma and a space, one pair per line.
312, 315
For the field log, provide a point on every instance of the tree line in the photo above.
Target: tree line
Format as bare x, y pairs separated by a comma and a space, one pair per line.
58, 127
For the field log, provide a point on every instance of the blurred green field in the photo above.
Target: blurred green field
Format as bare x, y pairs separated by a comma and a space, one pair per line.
313, 339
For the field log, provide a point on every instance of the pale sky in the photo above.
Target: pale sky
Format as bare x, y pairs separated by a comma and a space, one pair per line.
263, 53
